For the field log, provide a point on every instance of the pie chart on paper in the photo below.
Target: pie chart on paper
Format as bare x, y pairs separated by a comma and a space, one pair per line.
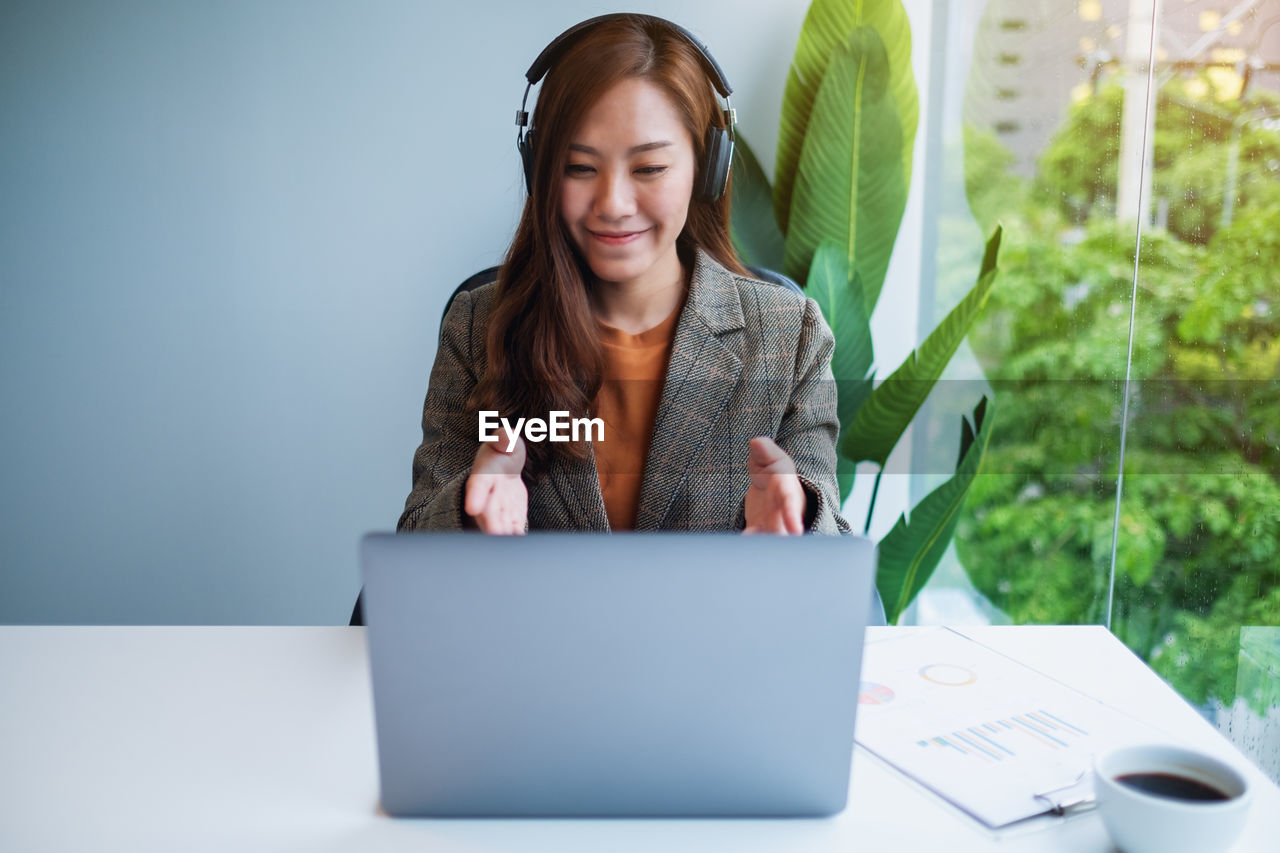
948, 674
870, 693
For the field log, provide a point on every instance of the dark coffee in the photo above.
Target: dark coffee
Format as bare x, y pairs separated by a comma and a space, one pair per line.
1172, 786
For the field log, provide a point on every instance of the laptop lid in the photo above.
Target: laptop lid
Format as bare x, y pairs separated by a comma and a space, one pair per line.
564, 674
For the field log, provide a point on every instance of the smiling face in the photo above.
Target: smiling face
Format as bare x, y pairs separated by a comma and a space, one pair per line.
626, 189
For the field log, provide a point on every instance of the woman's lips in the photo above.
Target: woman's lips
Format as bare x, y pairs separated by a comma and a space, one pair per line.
616, 238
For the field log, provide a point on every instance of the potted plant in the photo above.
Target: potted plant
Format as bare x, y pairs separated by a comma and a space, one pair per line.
830, 221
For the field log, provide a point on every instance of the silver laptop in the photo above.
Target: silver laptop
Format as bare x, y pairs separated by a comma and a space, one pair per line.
562, 674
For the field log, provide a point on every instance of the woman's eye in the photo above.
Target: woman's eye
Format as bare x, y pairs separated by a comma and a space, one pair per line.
580, 169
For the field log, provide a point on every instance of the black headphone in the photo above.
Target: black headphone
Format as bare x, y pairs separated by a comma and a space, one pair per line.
714, 174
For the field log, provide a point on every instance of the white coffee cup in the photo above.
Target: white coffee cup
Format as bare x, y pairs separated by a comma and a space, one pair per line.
1143, 822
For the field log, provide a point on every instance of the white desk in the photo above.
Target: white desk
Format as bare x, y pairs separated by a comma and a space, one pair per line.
246, 739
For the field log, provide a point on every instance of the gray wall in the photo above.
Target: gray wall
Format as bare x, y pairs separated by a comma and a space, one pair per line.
227, 231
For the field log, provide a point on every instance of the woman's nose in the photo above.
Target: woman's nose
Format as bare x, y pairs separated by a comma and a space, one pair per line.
615, 197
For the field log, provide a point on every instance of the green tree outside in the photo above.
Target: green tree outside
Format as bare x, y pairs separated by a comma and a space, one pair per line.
1198, 553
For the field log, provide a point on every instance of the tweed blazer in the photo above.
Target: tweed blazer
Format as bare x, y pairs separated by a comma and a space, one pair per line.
748, 358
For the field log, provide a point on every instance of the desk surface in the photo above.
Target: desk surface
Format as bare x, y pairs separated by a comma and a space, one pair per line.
253, 739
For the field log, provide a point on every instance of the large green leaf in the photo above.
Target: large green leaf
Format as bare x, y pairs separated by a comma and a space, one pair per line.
853, 362
911, 550
827, 26
755, 232
884, 417
849, 185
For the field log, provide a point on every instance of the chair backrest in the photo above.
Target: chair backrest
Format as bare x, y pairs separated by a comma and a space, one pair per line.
491, 274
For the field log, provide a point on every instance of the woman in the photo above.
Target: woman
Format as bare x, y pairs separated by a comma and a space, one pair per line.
621, 298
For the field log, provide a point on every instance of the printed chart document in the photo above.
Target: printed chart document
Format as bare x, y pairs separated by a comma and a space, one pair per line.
999, 739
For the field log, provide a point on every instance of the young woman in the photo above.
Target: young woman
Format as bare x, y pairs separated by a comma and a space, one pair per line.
621, 298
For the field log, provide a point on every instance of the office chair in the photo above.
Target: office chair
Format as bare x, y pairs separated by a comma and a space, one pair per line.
491, 274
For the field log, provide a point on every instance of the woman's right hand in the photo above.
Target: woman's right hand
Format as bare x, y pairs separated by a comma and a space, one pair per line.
496, 498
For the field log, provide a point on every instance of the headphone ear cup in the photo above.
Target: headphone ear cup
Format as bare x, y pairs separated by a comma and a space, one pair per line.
525, 146
715, 172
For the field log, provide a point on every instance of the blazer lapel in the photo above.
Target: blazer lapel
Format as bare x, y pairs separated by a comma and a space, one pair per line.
701, 377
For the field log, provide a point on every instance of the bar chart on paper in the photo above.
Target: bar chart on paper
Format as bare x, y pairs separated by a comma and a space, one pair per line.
1000, 740
1009, 737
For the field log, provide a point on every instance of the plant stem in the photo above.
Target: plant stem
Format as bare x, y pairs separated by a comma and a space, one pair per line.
866, 528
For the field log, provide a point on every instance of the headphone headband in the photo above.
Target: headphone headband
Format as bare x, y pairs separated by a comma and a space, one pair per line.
552, 52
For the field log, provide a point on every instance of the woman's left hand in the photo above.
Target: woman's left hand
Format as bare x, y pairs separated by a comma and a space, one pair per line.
775, 501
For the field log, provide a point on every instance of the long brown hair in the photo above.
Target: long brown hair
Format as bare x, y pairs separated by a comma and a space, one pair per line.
543, 353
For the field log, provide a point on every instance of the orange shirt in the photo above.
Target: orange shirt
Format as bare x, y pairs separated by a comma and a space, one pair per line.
635, 367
